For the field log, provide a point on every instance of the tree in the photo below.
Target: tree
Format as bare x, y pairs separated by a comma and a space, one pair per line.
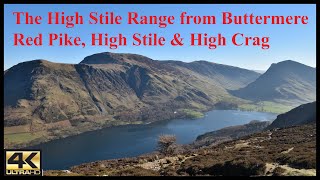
166, 144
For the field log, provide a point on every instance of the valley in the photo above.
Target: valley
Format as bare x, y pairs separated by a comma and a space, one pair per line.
45, 100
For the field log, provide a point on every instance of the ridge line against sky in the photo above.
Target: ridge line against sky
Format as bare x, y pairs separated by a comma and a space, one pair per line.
287, 42
52, 61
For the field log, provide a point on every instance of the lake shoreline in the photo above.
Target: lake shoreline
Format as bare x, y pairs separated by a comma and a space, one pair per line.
137, 124
133, 124
136, 139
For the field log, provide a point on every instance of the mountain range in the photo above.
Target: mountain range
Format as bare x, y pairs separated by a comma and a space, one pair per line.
45, 100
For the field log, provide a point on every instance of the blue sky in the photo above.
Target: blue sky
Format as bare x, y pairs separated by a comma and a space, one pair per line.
295, 42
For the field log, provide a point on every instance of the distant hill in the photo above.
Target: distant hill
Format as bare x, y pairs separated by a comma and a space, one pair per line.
300, 115
230, 133
259, 71
285, 82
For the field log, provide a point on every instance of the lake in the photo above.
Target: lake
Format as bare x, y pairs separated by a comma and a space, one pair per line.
134, 140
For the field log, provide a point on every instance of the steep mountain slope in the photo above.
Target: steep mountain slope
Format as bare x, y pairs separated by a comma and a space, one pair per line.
303, 114
286, 82
45, 100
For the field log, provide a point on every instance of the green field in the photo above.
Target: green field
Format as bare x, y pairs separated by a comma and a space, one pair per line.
266, 106
21, 137
192, 113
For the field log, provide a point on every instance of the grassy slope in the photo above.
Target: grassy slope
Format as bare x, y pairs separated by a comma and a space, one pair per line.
21, 137
192, 113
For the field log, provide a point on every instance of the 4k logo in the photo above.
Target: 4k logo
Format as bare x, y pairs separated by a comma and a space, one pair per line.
23, 162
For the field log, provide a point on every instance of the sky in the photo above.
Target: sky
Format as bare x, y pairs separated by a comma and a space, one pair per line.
294, 42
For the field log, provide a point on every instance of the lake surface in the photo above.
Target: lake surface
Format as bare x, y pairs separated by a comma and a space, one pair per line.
134, 140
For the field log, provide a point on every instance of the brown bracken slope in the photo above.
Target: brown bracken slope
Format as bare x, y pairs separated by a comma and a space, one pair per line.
288, 151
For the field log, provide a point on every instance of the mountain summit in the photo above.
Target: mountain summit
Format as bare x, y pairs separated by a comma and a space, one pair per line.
116, 58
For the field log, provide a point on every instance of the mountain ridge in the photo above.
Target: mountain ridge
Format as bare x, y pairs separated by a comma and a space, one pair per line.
49, 100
